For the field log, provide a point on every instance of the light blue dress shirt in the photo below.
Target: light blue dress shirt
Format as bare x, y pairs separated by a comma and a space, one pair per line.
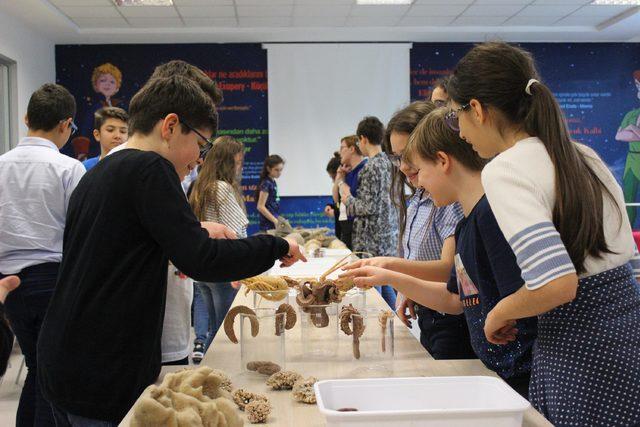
36, 182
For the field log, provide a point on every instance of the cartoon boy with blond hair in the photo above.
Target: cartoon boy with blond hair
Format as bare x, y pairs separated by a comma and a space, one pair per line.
629, 131
106, 79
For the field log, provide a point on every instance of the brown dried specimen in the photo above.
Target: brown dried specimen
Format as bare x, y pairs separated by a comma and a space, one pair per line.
271, 288
186, 398
243, 397
290, 318
263, 367
383, 319
313, 293
350, 315
283, 380
231, 316
303, 390
257, 411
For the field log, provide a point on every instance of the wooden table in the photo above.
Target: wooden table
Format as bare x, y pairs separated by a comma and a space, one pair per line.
410, 360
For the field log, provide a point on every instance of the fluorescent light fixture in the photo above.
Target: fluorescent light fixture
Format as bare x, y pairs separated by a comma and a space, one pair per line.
143, 2
383, 2
616, 2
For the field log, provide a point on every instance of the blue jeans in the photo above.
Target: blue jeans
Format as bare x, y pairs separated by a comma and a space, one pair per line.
388, 294
211, 302
25, 308
65, 419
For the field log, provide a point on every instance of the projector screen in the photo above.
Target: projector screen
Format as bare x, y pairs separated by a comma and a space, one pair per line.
318, 93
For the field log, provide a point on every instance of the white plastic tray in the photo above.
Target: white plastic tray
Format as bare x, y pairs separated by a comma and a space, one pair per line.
421, 401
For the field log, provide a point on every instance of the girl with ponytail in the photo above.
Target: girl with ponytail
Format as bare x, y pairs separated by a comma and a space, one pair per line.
561, 210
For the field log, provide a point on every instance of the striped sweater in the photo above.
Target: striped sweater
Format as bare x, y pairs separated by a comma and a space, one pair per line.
520, 187
231, 213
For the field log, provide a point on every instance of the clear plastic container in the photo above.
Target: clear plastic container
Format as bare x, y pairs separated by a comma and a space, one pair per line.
373, 346
424, 401
270, 299
267, 345
356, 297
319, 330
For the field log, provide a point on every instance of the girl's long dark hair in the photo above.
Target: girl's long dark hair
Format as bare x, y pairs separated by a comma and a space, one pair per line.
496, 74
270, 162
404, 121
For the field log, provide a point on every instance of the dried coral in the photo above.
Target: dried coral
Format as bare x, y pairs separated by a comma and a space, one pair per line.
257, 411
263, 367
383, 319
287, 312
271, 288
303, 390
315, 293
242, 398
283, 380
186, 398
231, 317
350, 315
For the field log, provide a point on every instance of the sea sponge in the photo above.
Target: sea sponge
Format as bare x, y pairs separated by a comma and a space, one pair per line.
303, 390
257, 411
283, 380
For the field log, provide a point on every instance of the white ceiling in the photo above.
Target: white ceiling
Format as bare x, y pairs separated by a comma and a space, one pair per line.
100, 21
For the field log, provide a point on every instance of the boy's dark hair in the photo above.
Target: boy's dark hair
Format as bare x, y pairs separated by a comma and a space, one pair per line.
48, 106
105, 113
334, 164
178, 67
433, 135
371, 128
165, 95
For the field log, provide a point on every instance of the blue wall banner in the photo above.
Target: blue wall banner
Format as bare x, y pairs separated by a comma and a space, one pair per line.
99, 75
596, 84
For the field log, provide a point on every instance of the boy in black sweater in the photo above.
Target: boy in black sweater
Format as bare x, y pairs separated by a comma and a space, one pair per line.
99, 346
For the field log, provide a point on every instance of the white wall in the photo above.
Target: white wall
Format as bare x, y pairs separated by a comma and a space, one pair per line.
34, 57
318, 93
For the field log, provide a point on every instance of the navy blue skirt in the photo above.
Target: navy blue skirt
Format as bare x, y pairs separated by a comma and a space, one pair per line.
586, 363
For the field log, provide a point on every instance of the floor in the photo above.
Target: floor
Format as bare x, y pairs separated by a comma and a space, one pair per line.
9, 390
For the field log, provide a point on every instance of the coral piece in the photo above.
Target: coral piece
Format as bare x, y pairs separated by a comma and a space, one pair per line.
383, 319
230, 319
263, 367
257, 411
303, 390
226, 383
350, 315
283, 380
292, 283
283, 227
337, 244
314, 293
290, 318
297, 237
271, 288
312, 245
191, 397
243, 397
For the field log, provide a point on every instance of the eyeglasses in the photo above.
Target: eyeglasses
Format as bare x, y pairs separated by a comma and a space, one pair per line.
451, 118
206, 146
440, 103
74, 127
